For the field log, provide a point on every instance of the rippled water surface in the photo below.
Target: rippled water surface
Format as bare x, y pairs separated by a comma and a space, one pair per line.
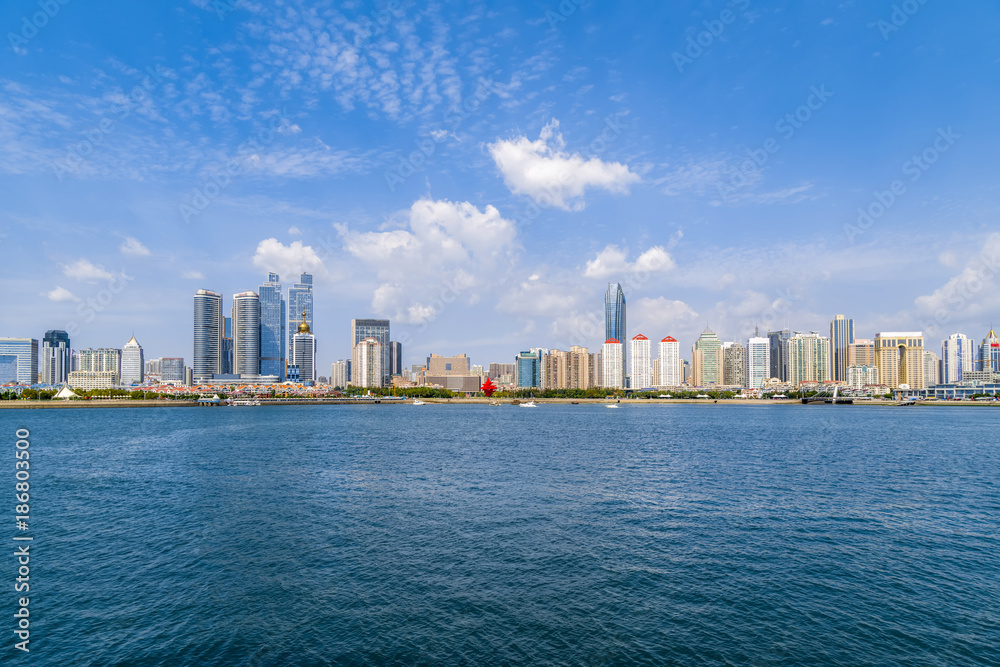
567, 534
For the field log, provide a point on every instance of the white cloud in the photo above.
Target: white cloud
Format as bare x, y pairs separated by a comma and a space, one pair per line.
86, 271
659, 317
193, 275
61, 294
132, 246
613, 261
542, 170
295, 258
969, 294
294, 231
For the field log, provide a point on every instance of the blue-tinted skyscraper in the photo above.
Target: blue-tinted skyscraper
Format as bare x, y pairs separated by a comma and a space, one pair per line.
227, 346
207, 358
19, 360
614, 321
300, 298
272, 328
246, 334
56, 358
528, 366
841, 338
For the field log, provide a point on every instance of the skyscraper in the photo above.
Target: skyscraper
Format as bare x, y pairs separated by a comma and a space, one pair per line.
227, 346
340, 373
779, 353
300, 297
642, 364
304, 352
808, 358
395, 358
132, 362
706, 359
671, 368
734, 365
19, 360
207, 358
379, 330
56, 358
758, 361
246, 334
958, 355
841, 337
861, 352
613, 361
931, 369
528, 369
366, 363
614, 322
272, 328
989, 355
899, 356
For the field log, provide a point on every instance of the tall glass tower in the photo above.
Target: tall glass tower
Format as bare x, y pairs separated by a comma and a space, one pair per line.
246, 334
300, 297
614, 321
841, 338
272, 328
56, 358
379, 330
207, 358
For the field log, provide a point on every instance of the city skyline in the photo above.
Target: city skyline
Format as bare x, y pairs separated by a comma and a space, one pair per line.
479, 208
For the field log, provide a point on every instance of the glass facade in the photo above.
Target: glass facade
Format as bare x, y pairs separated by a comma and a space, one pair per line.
379, 330
841, 338
300, 297
19, 360
529, 370
207, 358
614, 321
56, 359
272, 328
246, 334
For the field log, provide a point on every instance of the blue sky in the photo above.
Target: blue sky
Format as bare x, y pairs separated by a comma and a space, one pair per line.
477, 172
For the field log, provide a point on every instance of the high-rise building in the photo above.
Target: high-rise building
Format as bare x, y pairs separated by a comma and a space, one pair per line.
272, 329
989, 354
98, 369
172, 370
132, 362
734, 365
932, 366
300, 297
227, 346
246, 334
899, 356
304, 352
642, 363
56, 360
340, 373
613, 360
808, 358
614, 324
366, 363
858, 377
395, 358
379, 330
706, 359
528, 370
841, 337
758, 361
958, 357
208, 324
502, 373
861, 352
779, 353
671, 368
580, 369
19, 360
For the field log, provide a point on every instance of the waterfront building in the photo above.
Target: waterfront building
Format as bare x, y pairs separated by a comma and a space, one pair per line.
304, 352
706, 360
580, 368
899, 356
687, 372
613, 361
989, 353
527, 370
132, 363
98, 369
208, 326
246, 334
300, 298
395, 358
861, 352
56, 358
614, 324
227, 346
452, 373
172, 370
272, 328
19, 360
379, 330
858, 377
758, 361
734, 365
439, 365
932, 368
808, 358
366, 363
669, 363
87, 380
641, 353
340, 373
841, 338
779, 353
555, 370
958, 356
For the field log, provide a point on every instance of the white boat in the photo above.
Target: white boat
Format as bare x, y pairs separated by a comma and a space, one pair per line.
529, 404
611, 405
417, 401
245, 401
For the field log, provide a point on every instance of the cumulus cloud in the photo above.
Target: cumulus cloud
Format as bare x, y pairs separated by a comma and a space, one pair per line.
61, 294
613, 261
552, 177
972, 292
660, 316
133, 247
85, 271
448, 245
274, 256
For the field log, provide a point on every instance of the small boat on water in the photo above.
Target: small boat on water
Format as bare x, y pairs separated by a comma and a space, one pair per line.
417, 401
611, 405
244, 401
494, 402
529, 404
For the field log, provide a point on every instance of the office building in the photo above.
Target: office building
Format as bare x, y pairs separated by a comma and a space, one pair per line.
304, 352
641, 353
861, 352
555, 370
706, 360
172, 370
98, 369
132, 364
932, 369
614, 324
272, 328
527, 370
808, 358
208, 325
613, 361
779, 353
18, 360
366, 363
669, 363
379, 330
958, 356
989, 353
899, 356
734, 365
858, 377
56, 358
841, 338
395, 358
580, 368
246, 334
340, 373
758, 361
502, 374
300, 298
87, 380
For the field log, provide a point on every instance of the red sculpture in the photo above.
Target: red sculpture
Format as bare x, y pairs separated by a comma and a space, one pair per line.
488, 387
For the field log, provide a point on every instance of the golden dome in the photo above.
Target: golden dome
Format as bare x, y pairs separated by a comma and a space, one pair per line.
303, 327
